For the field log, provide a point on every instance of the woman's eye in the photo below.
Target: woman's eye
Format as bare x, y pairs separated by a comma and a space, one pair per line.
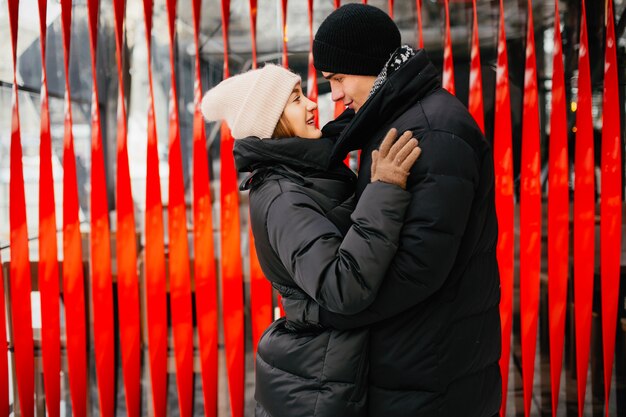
297, 98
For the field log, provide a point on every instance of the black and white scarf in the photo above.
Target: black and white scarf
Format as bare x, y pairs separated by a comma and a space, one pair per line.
397, 59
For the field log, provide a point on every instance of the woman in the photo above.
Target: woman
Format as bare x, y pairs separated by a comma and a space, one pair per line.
309, 236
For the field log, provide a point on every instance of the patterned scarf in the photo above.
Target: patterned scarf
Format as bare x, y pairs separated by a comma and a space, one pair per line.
397, 59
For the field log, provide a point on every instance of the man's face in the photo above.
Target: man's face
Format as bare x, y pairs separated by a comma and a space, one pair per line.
351, 90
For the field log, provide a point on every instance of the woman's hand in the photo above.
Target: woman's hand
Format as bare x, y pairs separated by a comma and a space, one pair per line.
391, 162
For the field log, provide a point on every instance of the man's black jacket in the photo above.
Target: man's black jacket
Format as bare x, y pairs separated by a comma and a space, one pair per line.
435, 323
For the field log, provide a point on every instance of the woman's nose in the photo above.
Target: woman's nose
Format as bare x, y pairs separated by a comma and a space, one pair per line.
311, 105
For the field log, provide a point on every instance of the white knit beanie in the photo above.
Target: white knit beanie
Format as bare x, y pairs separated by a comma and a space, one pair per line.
252, 102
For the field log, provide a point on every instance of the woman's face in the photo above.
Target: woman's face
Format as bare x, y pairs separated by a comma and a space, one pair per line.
299, 115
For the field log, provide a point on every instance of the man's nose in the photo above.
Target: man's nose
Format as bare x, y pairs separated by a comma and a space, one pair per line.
336, 93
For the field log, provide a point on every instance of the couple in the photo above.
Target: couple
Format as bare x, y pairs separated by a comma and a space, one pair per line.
389, 280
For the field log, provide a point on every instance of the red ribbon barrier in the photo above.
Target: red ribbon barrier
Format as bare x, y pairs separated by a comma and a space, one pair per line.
584, 213
261, 299
73, 280
610, 205
503, 166
311, 85
420, 33
48, 268
180, 286
260, 288
126, 249
232, 283
20, 266
284, 32
476, 76
104, 344
530, 217
204, 262
4, 361
448, 61
339, 108
232, 278
558, 215
253, 18
155, 249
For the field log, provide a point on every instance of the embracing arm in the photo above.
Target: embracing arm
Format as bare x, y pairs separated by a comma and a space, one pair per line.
343, 274
442, 194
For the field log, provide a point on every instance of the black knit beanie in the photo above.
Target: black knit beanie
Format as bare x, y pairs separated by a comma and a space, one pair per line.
355, 39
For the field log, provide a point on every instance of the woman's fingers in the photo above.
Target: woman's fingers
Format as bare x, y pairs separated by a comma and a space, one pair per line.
386, 144
406, 150
411, 158
399, 144
375, 155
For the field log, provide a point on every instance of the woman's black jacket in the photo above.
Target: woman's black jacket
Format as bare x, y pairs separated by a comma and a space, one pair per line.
306, 237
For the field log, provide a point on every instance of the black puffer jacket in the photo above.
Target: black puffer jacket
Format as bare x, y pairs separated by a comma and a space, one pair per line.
300, 212
435, 324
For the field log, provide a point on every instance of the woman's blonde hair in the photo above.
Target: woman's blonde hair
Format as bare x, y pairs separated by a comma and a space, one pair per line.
283, 129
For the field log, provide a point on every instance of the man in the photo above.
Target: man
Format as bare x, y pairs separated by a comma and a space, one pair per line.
435, 325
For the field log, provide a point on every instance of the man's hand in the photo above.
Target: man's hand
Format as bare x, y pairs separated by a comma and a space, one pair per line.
392, 162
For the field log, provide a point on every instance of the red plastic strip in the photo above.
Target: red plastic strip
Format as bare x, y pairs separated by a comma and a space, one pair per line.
232, 282
558, 218
584, 213
73, 279
261, 300
204, 263
390, 7
126, 249
476, 76
339, 107
253, 19
4, 361
48, 268
260, 288
155, 250
232, 276
225, 26
180, 285
530, 217
104, 343
312, 91
610, 205
20, 265
448, 61
558, 215
503, 166
420, 33
284, 32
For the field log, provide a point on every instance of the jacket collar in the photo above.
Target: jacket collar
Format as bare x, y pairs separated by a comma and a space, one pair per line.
417, 78
299, 154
